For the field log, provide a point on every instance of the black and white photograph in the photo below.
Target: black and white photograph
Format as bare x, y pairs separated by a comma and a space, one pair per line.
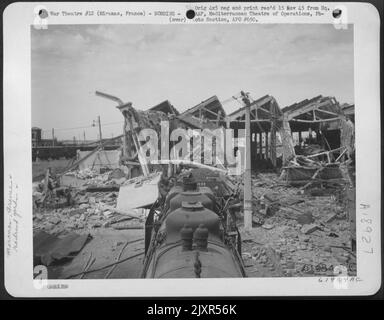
103, 210
146, 145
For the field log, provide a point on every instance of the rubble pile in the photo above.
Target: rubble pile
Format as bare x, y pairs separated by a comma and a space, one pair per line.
297, 232
82, 209
93, 177
91, 211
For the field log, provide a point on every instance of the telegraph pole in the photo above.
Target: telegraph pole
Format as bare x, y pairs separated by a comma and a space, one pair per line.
101, 138
247, 173
53, 137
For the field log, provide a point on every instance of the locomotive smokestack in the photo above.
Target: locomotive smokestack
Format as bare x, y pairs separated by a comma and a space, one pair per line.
189, 183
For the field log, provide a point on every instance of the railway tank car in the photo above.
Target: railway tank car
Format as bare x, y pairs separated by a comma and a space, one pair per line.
190, 237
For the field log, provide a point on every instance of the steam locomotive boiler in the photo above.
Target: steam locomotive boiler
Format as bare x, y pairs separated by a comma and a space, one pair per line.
191, 236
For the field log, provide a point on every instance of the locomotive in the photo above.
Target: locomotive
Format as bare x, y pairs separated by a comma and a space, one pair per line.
191, 233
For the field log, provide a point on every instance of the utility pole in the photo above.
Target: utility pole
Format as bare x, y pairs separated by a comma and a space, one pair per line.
53, 137
273, 133
100, 136
247, 173
84, 136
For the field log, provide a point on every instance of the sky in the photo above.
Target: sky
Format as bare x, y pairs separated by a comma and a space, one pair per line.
185, 64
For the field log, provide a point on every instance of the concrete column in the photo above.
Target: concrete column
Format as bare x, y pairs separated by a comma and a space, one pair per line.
247, 174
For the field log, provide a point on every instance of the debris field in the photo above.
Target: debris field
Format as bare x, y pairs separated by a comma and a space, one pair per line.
90, 217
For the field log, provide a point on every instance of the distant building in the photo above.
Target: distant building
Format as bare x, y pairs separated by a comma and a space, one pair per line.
37, 140
36, 136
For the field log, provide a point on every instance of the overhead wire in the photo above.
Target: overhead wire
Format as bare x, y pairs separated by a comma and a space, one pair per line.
83, 127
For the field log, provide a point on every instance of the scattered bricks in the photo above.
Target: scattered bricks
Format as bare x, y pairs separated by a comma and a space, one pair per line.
61, 203
107, 213
96, 225
332, 235
54, 220
330, 217
111, 195
80, 225
327, 249
263, 260
302, 247
129, 225
303, 238
106, 224
38, 217
309, 228
289, 272
305, 218
82, 200
258, 220
120, 219
65, 210
316, 215
71, 225
48, 226
246, 255
120, 181
342, 259
316, 192
84, 206
116, 174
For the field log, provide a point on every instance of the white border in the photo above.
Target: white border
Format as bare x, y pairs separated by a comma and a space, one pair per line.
18, 18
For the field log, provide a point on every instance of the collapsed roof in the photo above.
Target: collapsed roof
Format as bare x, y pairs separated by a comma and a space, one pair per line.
206, 114
264, 111
316, 113
349, 111
165, 107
